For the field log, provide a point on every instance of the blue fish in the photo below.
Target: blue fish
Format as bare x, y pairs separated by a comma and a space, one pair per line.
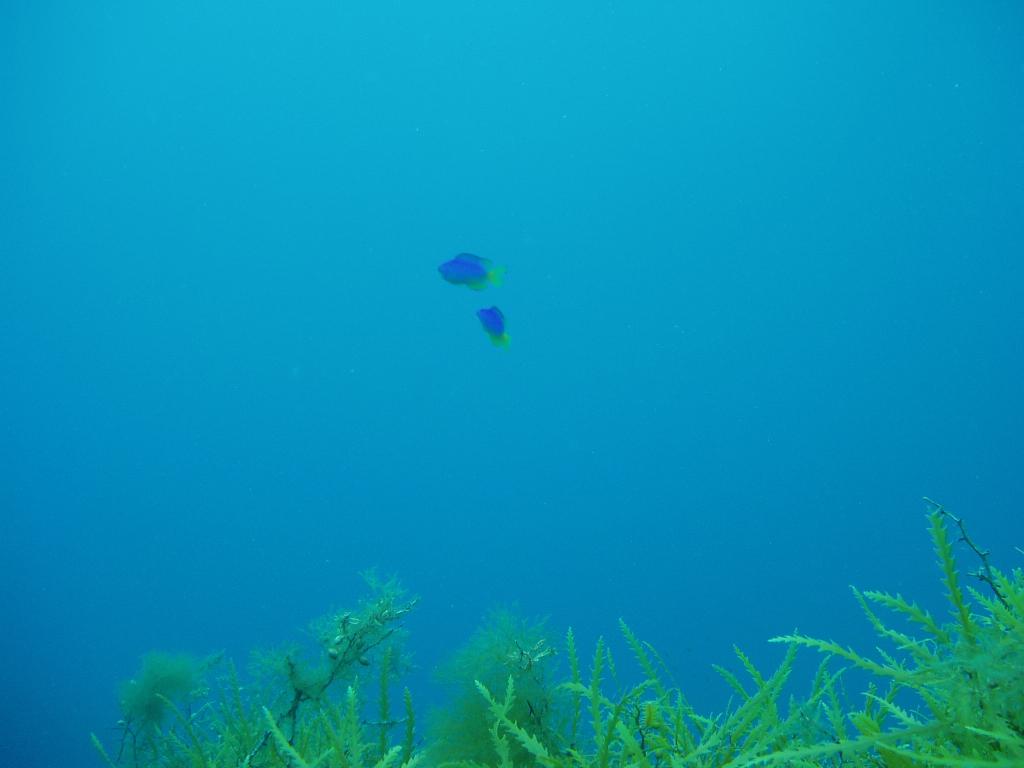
493, 322
472, 271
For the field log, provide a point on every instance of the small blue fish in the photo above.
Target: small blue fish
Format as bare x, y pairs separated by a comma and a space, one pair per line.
472, 271
493, 322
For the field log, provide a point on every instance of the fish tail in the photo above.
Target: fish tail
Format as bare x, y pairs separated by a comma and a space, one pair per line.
501, 340
496, 276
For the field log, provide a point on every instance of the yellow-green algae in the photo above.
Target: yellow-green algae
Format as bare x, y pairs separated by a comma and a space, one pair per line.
950, 695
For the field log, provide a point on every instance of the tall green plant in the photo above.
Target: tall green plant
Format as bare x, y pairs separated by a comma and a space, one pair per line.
956, 694
506, 645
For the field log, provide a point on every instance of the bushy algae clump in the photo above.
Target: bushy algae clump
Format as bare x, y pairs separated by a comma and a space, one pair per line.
950, 695
506, 647
162, 679
306, 711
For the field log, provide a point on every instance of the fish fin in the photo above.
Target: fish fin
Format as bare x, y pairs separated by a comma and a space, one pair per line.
496, 276
476, 285
472, 257
501, 341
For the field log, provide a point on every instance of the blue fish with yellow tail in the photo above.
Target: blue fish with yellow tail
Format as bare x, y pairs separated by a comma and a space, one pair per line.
472, 271
493, 322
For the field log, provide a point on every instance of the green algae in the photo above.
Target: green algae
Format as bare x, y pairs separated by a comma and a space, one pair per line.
941, 693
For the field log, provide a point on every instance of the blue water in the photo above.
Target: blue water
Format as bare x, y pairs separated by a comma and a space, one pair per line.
764, 292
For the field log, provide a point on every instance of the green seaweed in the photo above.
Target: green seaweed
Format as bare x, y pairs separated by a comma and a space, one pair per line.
410, 727
175, 716
964, 682
507, 644
162, 679
948, 694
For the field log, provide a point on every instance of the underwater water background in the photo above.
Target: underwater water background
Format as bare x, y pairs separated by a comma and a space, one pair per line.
764, 292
